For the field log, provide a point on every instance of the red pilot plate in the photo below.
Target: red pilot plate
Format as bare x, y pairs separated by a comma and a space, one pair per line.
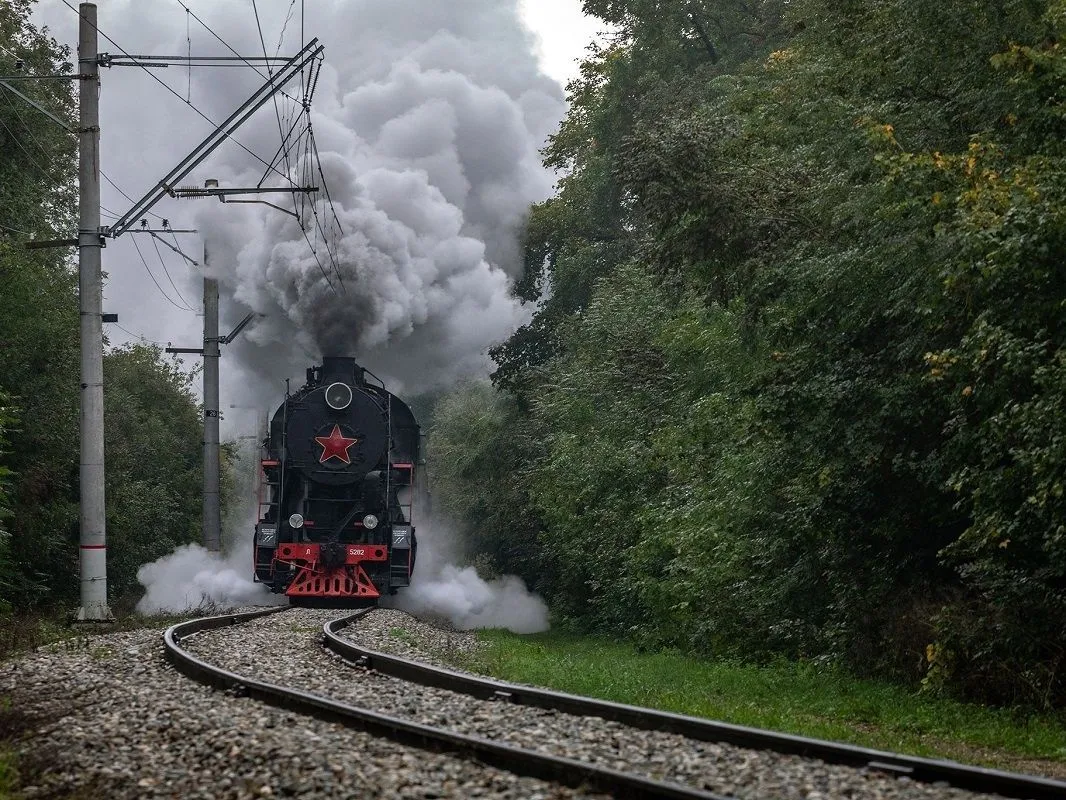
354, 554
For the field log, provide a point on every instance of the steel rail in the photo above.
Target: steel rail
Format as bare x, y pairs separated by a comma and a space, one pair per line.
565, 771
926, 770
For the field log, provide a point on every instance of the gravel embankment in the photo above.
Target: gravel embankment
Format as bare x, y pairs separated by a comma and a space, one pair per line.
398, 633
285, 649
105, 716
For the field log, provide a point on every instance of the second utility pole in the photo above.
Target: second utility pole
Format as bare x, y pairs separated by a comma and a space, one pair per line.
212, 353
93, 538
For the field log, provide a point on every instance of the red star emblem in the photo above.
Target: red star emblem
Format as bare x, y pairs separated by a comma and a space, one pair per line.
335, 446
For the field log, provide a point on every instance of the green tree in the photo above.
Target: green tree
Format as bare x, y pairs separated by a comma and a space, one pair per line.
152, 421
153, 459
479, 452
38, 313
831, 234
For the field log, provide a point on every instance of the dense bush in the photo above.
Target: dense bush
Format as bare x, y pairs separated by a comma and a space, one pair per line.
796, 381
152, 445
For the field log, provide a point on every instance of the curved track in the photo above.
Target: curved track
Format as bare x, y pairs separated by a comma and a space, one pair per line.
545, 766
927, 770
565, 771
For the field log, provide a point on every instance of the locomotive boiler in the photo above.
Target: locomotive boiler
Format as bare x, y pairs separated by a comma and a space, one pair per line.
340, 474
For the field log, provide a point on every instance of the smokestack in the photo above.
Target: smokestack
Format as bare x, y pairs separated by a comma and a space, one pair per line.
341, 368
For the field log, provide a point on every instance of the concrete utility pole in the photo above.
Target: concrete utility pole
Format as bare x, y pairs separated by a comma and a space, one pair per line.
212, 352
90, 241
212, 508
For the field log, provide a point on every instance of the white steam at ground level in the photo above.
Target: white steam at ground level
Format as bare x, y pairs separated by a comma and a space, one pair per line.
440, 588
469, 601
193, 578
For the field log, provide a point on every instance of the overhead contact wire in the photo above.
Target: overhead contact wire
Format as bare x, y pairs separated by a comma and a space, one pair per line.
157, 286
270, 72
166, 272
170, 89
229, 47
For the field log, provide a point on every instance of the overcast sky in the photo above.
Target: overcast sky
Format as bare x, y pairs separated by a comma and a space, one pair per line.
429, 258
563, 33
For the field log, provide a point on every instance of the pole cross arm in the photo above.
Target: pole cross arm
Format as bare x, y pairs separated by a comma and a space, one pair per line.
217, 137
240, 327
221, 194
65, 125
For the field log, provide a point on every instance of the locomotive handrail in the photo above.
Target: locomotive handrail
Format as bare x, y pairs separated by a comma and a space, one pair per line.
928, 770
375, 377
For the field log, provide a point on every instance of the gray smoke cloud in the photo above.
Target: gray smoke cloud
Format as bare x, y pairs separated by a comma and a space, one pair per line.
428, 118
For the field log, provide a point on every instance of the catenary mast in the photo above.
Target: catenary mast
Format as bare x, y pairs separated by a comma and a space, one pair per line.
93, 536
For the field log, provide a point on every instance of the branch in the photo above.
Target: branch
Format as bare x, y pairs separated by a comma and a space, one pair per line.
707, 43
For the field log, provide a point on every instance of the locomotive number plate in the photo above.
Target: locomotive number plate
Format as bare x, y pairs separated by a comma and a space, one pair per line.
367, 553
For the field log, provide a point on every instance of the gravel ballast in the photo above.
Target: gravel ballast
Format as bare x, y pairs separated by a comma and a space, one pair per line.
285, 649
105, 716
398, 633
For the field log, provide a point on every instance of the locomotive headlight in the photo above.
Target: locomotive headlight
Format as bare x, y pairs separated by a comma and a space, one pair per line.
370, 522
338, 396
296, 521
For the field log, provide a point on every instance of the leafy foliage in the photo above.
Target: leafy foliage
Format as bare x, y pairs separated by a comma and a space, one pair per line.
152, 421
38, 315
797, 371
153, 457
478, 438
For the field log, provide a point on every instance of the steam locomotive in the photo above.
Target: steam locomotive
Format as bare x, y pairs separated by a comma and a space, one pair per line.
338, 486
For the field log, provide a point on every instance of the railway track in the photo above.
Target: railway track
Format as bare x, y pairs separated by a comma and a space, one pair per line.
479, 729
926, 770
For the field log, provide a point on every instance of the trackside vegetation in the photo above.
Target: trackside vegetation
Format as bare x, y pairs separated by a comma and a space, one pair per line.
153, 449
805, 698
795, 386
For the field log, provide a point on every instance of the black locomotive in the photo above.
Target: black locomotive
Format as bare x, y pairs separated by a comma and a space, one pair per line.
339, 482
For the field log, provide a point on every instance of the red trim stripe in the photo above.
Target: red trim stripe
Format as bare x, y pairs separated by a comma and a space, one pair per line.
93, 547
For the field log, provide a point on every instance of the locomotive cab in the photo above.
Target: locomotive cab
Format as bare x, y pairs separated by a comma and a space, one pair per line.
338, 487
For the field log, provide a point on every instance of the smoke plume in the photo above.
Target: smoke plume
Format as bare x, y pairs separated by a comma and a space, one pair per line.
428, 118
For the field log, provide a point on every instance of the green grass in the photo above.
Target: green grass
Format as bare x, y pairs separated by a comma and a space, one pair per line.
9, 776
403, 635
795, 698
